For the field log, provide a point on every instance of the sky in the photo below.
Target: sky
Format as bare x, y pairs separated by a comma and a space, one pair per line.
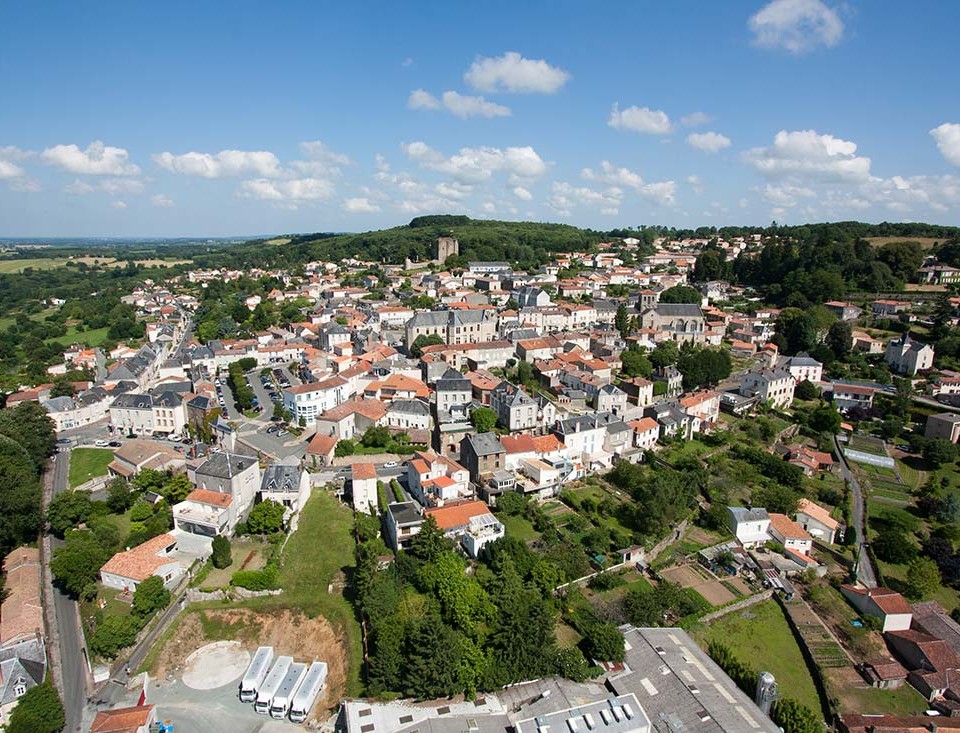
243, 118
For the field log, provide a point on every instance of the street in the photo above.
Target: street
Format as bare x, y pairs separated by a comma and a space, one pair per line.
865, 572
68, 624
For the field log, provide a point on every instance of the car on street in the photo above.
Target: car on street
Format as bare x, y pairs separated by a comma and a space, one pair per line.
114, 443
100, 443
64, 441
390, 464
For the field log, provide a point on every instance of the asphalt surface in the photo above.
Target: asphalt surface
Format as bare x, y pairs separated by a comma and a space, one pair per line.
68, 624
865, 572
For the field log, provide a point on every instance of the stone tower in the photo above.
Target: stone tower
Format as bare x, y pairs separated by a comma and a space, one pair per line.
446, 247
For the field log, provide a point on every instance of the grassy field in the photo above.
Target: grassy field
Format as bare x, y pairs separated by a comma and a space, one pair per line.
88, 463
13, 267
91, 338
310, 567
16, 266
519, 527
924, 242
760, 636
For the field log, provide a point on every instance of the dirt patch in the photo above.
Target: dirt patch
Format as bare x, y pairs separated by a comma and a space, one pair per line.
305, 639
693, 576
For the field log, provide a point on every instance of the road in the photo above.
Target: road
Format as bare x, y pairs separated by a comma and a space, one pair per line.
68, 625
865, 571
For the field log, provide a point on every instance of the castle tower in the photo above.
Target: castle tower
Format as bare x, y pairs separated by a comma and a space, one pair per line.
446, 247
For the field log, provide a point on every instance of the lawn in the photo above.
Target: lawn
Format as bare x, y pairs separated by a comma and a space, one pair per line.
88, 463
247, 554
761, 637
15, 267
518, 527
91, 338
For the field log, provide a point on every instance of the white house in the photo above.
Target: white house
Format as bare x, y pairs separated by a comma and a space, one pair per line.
304, 402
364, 482
770, 385
908, 357
790, 534
646, 430
233, 474
127, 569
885, 604
804, 367
751, 526
286, 485
817, 521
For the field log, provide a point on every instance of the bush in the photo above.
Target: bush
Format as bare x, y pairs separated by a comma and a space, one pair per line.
606, 581
221, 556
605, 643
266, 579
141, 511
571, 663
150, 596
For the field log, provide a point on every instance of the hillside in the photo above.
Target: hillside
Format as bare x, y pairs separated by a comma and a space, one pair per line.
527, 243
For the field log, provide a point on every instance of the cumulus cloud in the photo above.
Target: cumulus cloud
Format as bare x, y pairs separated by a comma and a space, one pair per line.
640, 119
9, 169
786, 195
695, 119
474, 165
662, 192
161, 201
796, 26
319, 159
695, 183
292, 192
459, 105
806, 154
225, 164
514, 73
521, 193
98, 159
360, 205
119, 204
566, 197
708, 142
948, 141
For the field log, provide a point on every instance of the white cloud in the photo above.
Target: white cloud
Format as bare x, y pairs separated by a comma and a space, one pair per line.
806, 154
161, 201
640, 119
97, 159
514, 73
662, 192
796, 25
109, 186
292, 192
422, 99
695, 119
565, 197
360, 206
786, 195
225, 164
119, 204
474, 165
695, 183
24, 185
708, 142
947, 136
459, 105
8, 169
381, 164
521, 193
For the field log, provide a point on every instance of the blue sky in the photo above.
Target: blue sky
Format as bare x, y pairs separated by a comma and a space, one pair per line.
185, 118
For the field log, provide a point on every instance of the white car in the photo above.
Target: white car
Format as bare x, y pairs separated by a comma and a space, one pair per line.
101, 443
390, 464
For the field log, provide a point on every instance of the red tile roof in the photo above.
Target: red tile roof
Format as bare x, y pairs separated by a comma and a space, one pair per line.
364, 471
140, 562
213, 498
122, 720
457, 514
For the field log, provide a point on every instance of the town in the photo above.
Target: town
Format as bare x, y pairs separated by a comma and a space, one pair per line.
618, 490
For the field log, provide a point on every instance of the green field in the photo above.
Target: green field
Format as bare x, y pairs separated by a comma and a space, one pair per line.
93, 337
761, 637
88, 463
518, 527
13, 267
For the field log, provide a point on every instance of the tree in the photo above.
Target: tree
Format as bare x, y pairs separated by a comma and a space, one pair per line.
635, 363
840, 338
939, 451
19, 496
605, 643
119, 496
806, 390
266, 518
38, 710
176, 488
221, 555
824, 419
150, 596
776, 498
377, 436
923, 578
429, 542
416, 348
67, 510
798, 328
903, 258
892, 545
794, 717
948, 508
681, 294
483, 419
622, 320
76, 566
344, 448
113, 634
666, 354
29, 425
62, 387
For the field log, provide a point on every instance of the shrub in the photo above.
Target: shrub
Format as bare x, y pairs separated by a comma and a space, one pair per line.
266, 579
221, 556
114, 634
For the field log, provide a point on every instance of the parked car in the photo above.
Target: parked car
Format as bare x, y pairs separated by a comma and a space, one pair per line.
390, 464
115, 444
100, 443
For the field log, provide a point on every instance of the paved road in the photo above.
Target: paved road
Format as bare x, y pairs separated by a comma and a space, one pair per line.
68, 625
865, 571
